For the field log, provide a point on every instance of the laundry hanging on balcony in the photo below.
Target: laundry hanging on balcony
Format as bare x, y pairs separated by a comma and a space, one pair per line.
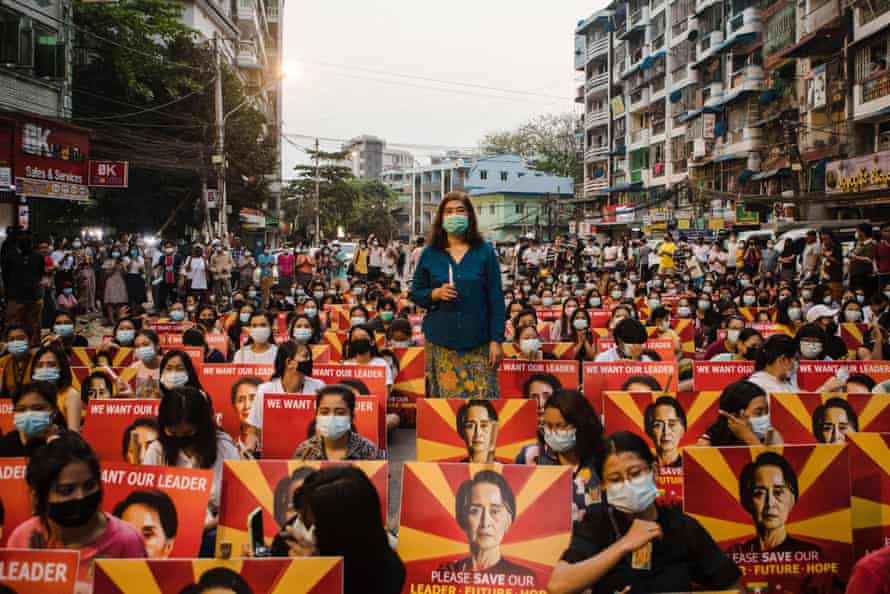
768, 96
720, 128
598, 172
676, 96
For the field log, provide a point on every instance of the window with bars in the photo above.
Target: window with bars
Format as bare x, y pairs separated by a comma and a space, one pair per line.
780, 29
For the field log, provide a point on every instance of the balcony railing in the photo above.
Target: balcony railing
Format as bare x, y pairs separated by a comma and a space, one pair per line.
596, 184
596, 151
867, 12
658, 84
272, 11
680, 74
658, 42
597, 80
599, 116
877, 87
639, 136
247, 10
678, 28
597, 47
819, 16
247, 57
639, 98
658, 127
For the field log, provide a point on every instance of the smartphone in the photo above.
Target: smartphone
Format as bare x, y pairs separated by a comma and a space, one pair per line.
255, 533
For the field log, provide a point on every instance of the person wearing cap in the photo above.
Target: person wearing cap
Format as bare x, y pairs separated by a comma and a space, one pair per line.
630, 340
826, 317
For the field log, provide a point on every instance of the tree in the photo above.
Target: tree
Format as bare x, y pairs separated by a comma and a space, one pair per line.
361, 207
550, 142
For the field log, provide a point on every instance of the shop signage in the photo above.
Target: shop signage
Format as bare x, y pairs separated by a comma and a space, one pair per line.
109, 174
51, 159
859, 174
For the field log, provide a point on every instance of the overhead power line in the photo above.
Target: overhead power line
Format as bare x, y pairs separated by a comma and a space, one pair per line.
388, 143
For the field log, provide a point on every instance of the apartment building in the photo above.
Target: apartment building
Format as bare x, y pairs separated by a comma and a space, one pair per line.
369, 157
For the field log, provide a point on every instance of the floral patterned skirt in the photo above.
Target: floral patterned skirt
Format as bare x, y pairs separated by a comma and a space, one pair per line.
460, 374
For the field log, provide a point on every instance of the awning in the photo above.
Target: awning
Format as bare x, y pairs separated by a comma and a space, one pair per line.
771, 173
827, 40
648, 62
618, 150
745, 176
881, 114
729, 98
634, 187
768, 96
676, 96
728, 157
735, 39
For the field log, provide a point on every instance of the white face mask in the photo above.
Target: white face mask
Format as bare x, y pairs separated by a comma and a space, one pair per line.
683, 311
529, 345
260, 334
733, 336
852, 315
174, 379
810, 350
634, 496
760, 425
794, 313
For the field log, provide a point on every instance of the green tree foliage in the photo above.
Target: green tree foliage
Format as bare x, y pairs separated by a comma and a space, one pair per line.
359, 206
550, 142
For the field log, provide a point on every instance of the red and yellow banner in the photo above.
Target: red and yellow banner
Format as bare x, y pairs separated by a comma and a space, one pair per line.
782, 513
807, 417
309, 575
270, 485
531, 511
561, 350
157, 499
686, 331
83, 356
854, 336
627, 376
514, 375
109, 428
756, 314
289, 420
372, 378
410, 383
599, 318
14, 494
231, 410
6, 424
662, 346
811, 375
869, 485
716, 375
490, 437
336, 341
28, 571
127, 374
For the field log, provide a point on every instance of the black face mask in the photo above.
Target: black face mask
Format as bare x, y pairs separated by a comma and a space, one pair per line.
360, 347
75, 512
304, 367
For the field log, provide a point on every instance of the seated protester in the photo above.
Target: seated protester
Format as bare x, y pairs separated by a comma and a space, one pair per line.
743, 418
571, 436
176, 312
620, 312
207, 319
400, 335
140, 434
679, 550
16, 362
333, 506
260, 348
811, 343
97, 386
825, 317
147, 363
65, 330
749, 342
36, 416
310, 309
734, 325
660, 318
292, 375
528, 345
560, 330
641, 383
239, 324
358, 316
65, 482
51, 365
581, 335
177, 370
789, 313
196, 337
858, 383
335, 435
188, 437
630, 340
124, 333
361, 349
775, 365
526, 316
386, 313
304, 330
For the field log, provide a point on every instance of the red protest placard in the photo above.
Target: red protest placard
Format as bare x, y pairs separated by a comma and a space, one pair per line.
109, 428
766, 329
716, 375
548, 314
270, 485
627, 376
6, 424
410, 383
529, 542
288, 421
854, 336
485, 436
29, 571
14, 495
663, 347
307, 575
368, 379
231, 409
79, 375
599, 318
808, 512
336, 341
808, 417
168, 326
869, 485
165, 498
215, 340
561, 350
668, 422
811, 375
321, 353
514, 374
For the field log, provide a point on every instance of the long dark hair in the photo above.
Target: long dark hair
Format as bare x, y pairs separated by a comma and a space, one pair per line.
188, 405
735, 398
193, 382
347, 351
314, 322
346, 508
64, 365
620, 442
287, 350
438, 236
577, 411
48, 461
776, 346
47, 392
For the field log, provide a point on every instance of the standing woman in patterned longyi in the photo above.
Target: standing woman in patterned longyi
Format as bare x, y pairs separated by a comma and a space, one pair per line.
458, 282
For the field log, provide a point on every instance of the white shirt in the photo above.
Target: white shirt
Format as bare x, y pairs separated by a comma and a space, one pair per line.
255, 416
246, 354
378, 361
197, 273
770, 384
612, 356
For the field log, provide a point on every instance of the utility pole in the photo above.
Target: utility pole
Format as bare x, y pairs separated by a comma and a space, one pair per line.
220, 157
317, 196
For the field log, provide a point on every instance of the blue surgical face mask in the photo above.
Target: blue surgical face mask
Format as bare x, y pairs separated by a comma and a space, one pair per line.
64, 329
177, 315
146, 353
357, 320
634, 496
332, 426
456, 224
68, 291
17, 347
125, 336
760, 425
579, 324
387, 316
310, 311
529, 345
302, 334
560, 441
244, 317
174, 379
46, 374
32, 422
